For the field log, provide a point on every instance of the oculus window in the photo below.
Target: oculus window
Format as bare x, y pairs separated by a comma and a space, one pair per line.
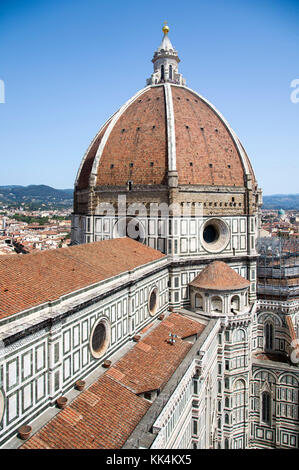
100, 338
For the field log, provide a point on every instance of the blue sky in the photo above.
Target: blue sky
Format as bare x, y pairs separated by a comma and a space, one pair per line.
68, 65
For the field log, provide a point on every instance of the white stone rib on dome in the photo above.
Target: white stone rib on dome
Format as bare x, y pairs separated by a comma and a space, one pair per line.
171, 145
88, 149
114, 119
170, 125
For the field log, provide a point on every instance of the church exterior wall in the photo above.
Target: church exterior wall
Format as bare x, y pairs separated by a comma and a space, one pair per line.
183, 234
181, 240
37, 369
281, 431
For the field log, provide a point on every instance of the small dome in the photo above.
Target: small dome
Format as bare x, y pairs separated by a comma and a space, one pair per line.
220, 277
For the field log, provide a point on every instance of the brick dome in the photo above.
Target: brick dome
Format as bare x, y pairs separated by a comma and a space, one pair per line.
165, 128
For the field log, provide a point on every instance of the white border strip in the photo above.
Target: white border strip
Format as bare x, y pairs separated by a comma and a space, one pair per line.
87, 151
170, 128
114, 119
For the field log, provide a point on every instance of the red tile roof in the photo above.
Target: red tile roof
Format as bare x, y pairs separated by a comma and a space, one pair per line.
149, 365
219, 276
30, 280
104, 415
139, 136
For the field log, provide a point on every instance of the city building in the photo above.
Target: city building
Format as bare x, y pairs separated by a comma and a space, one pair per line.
151, 331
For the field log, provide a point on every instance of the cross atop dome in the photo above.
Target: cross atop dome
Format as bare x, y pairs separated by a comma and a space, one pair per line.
166, 62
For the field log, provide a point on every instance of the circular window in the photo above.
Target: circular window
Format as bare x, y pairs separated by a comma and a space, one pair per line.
129, 227
153, 301
215, 235
100, 338
210, 234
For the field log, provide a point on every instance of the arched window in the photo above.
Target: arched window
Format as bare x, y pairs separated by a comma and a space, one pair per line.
235, 304
266, 403
226, 402
239, 335
219, 423
226, 418
162, 72
226, 443
216, 304
198, 302
268, 334
170, 72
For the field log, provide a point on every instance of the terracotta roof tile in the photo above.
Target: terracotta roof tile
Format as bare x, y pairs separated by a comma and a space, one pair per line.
150, 364
104, 415
219, 276
30, 280
104, 425
137, 150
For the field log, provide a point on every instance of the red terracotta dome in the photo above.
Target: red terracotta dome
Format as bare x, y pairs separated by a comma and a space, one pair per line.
165, 127
219, 276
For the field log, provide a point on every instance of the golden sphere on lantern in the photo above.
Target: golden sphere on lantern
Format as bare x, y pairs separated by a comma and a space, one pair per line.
165, 29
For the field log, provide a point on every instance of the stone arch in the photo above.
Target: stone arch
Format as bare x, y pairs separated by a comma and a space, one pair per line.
130, 227
264, 316
264, 375
235, 303
199, 301
216, 304
239, 334
239, 383
283, 379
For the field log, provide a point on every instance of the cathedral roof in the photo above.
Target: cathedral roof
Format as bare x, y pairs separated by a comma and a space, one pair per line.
30, 280
148, 365
101, 417
219, 276
165, 127
106, 413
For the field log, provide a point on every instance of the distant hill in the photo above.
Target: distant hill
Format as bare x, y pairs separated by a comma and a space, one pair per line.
281, 201
37, 194
51, 197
